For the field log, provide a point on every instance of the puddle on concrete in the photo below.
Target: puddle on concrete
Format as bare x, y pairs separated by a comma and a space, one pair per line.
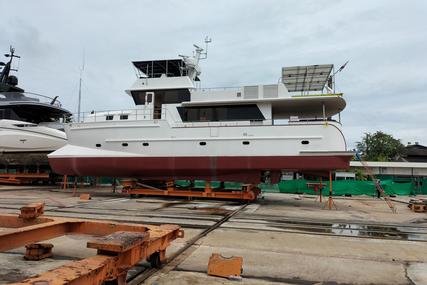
12, 275
411, 233
212, 210
364, 231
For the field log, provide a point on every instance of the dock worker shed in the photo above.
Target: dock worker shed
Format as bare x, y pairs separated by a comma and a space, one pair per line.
400, 169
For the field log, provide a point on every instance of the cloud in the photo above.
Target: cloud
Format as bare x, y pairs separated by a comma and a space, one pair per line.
384, 83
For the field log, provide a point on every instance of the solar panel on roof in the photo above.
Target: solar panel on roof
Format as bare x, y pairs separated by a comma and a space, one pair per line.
306, 78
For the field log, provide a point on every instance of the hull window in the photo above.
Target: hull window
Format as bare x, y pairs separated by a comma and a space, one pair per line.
221, 113
124, 144
98, 145
202, 143
245, 142
305, 142
145, 144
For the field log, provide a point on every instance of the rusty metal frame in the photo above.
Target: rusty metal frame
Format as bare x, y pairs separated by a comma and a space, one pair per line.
248, 192
122, 246
23, 178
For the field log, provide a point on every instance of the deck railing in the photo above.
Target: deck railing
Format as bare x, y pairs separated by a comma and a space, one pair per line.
120, 115
29, 97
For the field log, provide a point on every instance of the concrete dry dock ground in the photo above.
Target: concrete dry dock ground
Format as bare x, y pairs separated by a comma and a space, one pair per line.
283, 239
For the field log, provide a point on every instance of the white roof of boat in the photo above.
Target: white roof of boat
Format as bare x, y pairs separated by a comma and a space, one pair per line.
305, 105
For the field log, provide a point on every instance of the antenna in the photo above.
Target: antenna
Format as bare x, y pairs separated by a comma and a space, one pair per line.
80, 87
331, 80
12, 55
7, 67
341, 68
204, 54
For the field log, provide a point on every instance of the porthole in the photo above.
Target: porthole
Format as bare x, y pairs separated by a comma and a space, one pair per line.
124, 144
245, 142
305, 142
202, 143
98, 145
145, 144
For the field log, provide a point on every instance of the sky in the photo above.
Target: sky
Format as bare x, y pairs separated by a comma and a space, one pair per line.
384, 83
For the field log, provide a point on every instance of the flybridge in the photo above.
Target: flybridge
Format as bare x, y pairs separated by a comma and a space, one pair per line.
157, 68
187, 66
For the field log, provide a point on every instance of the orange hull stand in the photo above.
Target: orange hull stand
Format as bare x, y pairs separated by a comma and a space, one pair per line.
38, 251
225, 266
22, 178
248, 192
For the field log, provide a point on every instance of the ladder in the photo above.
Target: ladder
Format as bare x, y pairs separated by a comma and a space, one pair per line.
377, 185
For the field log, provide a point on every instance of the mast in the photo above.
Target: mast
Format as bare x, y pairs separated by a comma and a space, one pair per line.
8, 66
80, 88
192, 63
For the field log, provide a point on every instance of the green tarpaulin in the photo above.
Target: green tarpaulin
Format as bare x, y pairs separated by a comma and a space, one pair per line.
347, 187
339, 188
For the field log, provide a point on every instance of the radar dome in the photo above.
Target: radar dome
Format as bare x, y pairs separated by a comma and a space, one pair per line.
12, 80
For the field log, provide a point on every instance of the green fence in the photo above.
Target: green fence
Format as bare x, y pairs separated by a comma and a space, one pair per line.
406, 186
339, 188
349, 187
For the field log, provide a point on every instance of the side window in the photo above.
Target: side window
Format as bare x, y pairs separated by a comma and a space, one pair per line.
109, 117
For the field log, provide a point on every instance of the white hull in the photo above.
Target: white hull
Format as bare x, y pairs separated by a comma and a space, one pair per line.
159, 149
163, 139
19, 136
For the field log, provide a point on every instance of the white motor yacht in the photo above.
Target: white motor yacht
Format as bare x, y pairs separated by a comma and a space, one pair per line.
30, 124
179, 130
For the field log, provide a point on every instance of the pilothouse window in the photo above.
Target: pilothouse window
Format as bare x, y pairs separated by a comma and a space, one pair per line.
172, 96
249, 112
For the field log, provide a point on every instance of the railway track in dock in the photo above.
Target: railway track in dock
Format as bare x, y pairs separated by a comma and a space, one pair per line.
204, 217
180, 254
210, 216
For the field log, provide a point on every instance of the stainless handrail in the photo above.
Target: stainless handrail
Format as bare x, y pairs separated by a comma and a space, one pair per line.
50, 99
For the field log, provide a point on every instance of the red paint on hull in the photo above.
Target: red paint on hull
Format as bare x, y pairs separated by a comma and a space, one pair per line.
240, 168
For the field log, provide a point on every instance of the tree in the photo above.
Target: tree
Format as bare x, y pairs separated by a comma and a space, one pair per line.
380, 147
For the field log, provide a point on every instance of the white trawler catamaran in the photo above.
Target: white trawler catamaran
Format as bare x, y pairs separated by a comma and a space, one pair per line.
181, 131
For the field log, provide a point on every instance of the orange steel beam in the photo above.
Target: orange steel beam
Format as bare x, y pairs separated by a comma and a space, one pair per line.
125, 246
10, 239
25, 232
92, 270
18, 178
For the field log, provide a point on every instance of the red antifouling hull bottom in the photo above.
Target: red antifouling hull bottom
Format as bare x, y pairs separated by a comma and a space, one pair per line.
230, 168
